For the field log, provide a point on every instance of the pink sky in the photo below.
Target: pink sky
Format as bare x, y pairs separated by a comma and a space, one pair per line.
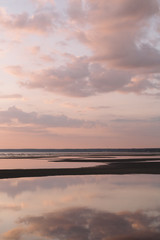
79, 73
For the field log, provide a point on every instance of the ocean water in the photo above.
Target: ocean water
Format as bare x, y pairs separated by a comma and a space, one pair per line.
52, 158
60, 153
96, 207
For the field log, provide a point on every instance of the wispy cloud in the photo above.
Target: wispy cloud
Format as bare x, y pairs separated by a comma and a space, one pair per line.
42, 21
16, 70
11, 96
15, 115
41, 3
11, 207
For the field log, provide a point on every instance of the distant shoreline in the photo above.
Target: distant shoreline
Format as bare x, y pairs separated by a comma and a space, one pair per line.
80, 150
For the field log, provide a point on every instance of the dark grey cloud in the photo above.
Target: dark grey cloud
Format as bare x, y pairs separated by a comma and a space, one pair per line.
9, 116
84, 223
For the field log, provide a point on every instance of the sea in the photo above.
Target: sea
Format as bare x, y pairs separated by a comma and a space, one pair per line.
79, 207
55, 153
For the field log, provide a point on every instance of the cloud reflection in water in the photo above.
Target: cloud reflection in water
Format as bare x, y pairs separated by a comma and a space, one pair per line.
85, 223
76, 208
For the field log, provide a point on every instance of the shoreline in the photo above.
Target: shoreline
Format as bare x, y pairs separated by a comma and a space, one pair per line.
116, 168
110, 160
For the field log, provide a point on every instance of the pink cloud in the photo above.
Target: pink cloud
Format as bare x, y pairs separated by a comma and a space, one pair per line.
118, 33
82, 78
123, 59
116, 28
16, 70
42, 21
115, 31
41, 3
17, 115
13, 207
35, 50
11, 96
77, 12
70, 79
47, 58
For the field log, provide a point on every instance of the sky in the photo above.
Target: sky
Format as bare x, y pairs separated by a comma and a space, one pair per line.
79, 73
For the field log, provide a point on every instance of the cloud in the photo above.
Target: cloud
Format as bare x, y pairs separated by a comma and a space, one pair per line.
47, 58
41, 3
16, 116
124, 59
16, 70
71, 79
79, 78
14, 234
77, 12
13, 207
85, 223
11, 96
108, 80
114, 41
82, 78
121, 35
35, 49
136, 120
98, 107
41, 21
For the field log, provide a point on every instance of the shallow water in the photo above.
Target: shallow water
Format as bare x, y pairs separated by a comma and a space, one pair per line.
101, 207
90, 207
40, 163
34, 160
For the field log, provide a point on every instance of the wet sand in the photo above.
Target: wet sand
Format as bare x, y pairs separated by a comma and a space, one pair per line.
117, 167
100, 160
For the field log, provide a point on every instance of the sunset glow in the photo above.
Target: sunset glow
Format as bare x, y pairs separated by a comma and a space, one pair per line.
79, 73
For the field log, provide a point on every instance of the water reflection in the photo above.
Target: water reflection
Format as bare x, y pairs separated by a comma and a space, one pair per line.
41, 163
91, 207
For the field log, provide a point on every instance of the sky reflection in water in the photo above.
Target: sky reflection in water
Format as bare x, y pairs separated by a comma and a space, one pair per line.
41, 163
80, 208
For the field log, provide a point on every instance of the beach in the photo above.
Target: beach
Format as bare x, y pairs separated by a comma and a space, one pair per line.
117, 162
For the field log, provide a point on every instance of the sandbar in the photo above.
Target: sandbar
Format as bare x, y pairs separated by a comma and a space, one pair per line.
126, 167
